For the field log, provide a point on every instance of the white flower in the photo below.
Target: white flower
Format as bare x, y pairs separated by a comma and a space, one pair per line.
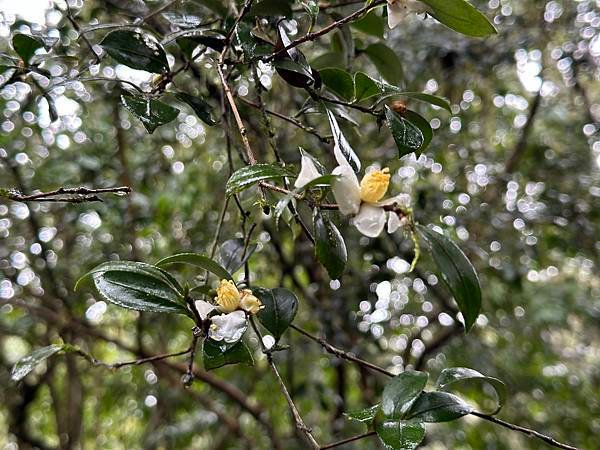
308, 172
399, 9
363, 200
224, 327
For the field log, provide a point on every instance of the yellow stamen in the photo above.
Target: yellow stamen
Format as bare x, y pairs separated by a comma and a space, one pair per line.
228, 296
374, 185
249, 302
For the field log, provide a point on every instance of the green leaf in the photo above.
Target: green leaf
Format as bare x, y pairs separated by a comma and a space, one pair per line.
341, 143
200, 107
436, 407
456, 377
371, 23
428, 98
386, 61
326, 60
329, 245
197, 260
232, 256
365, 415
247, 176
215, 355
338, 81
457, 272
422, 124
188, 44
365, 87
136, 50
400, 393
26, 45
280, 307
408, 137
461, 16
25, 365
398, 434
271, 8
152, 113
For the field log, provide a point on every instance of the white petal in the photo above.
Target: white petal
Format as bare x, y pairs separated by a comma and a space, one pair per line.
396, 13
308, 172
203, 308
370, 220
346, 190
228, 327
393, 223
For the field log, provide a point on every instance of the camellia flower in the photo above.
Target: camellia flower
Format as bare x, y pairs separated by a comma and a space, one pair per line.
249, 302
361, 200
228, 297
399, 9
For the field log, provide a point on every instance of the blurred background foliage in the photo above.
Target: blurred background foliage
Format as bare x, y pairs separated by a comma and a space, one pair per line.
513, 173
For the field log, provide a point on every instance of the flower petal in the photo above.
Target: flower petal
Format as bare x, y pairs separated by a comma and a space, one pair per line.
308, 172
228, 327
346, 190
370, 220
396, 13
204, 308
393, 223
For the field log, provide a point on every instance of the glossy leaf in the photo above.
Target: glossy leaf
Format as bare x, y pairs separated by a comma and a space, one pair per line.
338, 81
461, 16
400, 393
152, 113
197, 260
26, 46
386, 61
271, 8
399, 434
25, 365
232, 255
365, 415
136, 50
423, 125
371, 23
341, 143
189, 44
200, 107
329, 245
429, 98
280, 307
436, 407
457, 272
367, 87
291, 65
215, 355
456, 377
247, 176
327, 60
407, 136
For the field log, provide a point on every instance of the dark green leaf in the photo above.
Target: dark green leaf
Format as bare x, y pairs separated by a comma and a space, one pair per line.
197, 260
326, 60
428, 98
200, 107
371, 23
329, 246
400, 393
232, 254
438, 407
408, 137
25, 365
457, 272
182, 20
271, 8
338, 81
26, 45
461, 16
365, 415
386, 61
136, 50
280, 306
294, 73
365, 87
341, 143
215, 355
398, 434
188, 44
247, 176
422, 124
152, 113
456, 377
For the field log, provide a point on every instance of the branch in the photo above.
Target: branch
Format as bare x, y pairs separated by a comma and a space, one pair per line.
135, 362
351, 439
65, 195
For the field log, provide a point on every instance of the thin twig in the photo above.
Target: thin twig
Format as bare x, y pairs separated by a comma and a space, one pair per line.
67, 195
349, 440
135, 362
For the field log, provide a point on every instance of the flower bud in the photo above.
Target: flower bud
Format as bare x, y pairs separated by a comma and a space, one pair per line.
374, 185
228, 296
249, 302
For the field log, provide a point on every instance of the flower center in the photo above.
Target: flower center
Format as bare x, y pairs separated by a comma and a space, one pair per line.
374, 185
